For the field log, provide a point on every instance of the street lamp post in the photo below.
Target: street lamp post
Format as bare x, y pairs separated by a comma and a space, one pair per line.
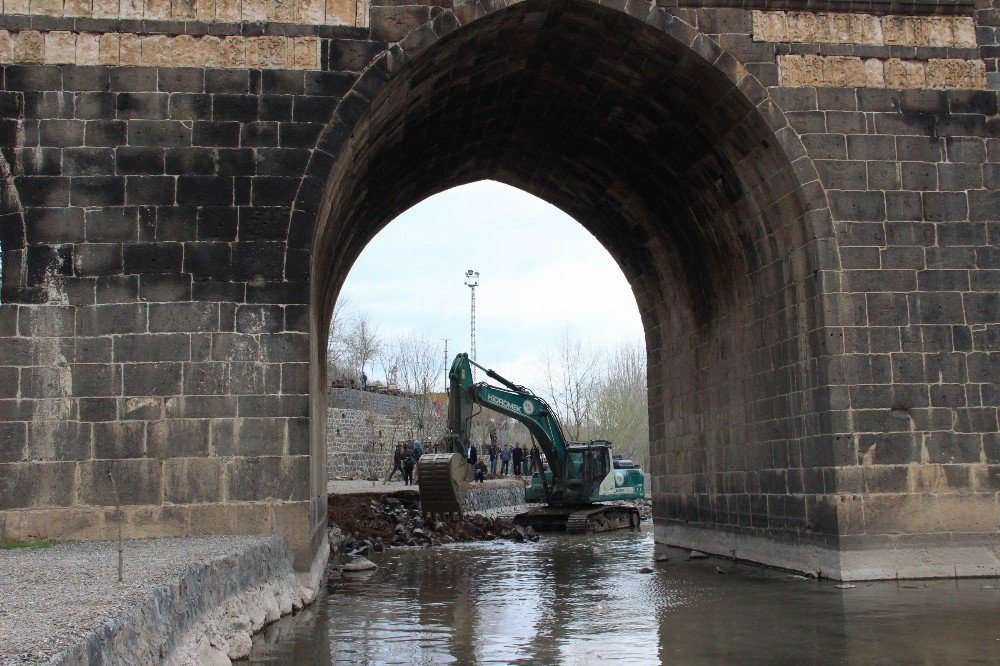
472, 281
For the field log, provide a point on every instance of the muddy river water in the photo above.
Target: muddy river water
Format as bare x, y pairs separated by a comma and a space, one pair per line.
585, 600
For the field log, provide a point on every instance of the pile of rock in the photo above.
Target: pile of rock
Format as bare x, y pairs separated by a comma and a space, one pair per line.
370, 523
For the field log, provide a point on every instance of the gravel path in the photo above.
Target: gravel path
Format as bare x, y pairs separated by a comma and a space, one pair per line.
51, 598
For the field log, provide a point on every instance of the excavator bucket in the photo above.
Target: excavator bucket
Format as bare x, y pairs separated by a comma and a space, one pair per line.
443, 479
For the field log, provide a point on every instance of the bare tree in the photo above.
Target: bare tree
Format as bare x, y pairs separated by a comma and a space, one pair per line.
620, 406
417, 367
571, 372
362, 342
336, 344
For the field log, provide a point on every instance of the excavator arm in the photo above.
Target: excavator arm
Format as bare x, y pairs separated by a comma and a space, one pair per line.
513, 401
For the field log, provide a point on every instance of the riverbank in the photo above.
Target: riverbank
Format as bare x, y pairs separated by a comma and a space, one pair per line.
366, 517
183, 601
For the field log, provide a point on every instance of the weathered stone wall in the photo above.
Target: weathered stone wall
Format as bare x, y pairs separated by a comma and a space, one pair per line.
805, 205
363, 428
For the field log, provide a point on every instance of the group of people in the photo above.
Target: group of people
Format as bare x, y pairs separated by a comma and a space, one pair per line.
407, 454
405, 459
520, 456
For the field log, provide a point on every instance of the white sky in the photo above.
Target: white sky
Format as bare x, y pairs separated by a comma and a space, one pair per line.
541, 275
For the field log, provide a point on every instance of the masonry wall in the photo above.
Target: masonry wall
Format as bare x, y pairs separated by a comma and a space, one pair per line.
899, 464
363, 428
157, 229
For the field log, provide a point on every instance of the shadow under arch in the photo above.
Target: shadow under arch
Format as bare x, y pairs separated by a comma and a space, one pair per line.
674, 158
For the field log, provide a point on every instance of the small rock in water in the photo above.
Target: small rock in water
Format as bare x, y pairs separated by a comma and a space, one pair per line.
845, 586
360, 563
646, 570
661, 558
989, 587
719, 570
697, 555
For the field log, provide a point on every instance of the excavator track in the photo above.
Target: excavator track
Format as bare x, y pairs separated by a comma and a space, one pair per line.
442, 479
586, 519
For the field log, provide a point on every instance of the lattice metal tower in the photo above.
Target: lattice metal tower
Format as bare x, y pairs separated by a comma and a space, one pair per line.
472, 281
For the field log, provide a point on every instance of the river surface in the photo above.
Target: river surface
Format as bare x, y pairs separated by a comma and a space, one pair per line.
584, 600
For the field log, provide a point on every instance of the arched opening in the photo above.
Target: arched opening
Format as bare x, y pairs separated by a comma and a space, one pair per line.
674, 159
553, 313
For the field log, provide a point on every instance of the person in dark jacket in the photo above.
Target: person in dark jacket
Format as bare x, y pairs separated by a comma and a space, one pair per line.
505, 460
397, 462
494, 452
480, 469
518, 456
408, 461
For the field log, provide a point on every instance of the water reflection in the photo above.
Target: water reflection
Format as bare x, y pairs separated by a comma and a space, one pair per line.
578, 600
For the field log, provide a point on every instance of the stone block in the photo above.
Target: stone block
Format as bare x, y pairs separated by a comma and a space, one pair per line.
261, 436
138, 481
29, 46
268, 477
13, 439
231, 518
192, 480
177, 438
28, 485
152, 379
119, 439
913, 514
59, 440
95, 379
183, 317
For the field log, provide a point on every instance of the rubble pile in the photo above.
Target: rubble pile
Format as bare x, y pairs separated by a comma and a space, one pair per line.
372, 522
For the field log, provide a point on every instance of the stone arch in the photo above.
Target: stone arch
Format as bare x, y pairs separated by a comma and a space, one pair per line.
663, 146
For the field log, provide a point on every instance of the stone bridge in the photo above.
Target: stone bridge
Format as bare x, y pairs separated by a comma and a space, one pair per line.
802, 194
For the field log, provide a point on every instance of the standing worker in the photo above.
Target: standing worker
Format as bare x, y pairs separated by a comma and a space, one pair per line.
518, 455
494, 454
408, 463
397, 462
505, 460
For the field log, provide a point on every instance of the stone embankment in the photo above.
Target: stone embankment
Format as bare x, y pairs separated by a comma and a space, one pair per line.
183, 601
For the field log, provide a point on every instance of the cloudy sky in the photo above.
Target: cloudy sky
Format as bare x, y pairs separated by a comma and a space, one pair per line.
542, 275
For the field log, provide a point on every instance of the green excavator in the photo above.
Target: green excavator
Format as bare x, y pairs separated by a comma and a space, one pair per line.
580, 475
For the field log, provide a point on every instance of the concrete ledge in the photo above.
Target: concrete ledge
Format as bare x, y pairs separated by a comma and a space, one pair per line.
806, 558
962, 556
184, 601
